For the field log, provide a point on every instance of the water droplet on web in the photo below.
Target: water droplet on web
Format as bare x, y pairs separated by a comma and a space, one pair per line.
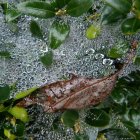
90, 51
107, 62
99, 56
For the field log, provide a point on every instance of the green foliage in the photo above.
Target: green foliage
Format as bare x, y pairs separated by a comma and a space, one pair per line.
130, 26
126, 105
129, 87
11, 128
35, 29
117, 134
123, 6
48, 10
23, 94
78, 7
11, 15
5, 54
119, 50
58, 33
97, 118
81, 137
12, 118
93, 31
62, 3
19, 128
136, 8
19, 113
124, 99
9, 135
55, 124
120, 9
134, 115
4, 7
110, 15
70, 117
4, 106
137, 57
13, 27
4, 93
47, 59
37, 9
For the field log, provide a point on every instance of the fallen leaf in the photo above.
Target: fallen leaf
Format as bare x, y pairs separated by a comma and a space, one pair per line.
75, 93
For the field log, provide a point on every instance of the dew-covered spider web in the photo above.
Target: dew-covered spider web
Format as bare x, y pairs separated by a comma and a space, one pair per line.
76, 55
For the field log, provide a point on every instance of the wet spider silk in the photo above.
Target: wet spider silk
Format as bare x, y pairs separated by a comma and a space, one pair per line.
76, 55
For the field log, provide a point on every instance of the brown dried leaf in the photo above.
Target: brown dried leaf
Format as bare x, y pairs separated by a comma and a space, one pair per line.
75, 93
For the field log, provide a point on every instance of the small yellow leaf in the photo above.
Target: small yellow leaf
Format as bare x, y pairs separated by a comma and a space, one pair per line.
101, 137
93, 31
8, 134
19, 113
77, 127
25, 93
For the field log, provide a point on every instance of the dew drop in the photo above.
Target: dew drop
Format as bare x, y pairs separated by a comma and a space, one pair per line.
90, 51
99, 56
107, 62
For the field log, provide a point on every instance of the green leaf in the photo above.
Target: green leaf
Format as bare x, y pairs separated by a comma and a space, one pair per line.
135, 117
35, 29
129, 87
37, 9
130, 26
97, 118
81, 137
55, 124
13, 86
118, 96
2, 120
47, 59
19, 129
110, 15
132, 130
136, 135
12, 15
93, 31
129, 125
23, 94
121, 109
136, 8
70, 117
76, 8
62, 3
117, 134
4, 93
19, 113
13, 27
4, 7
7, 124
5, 54
123, 6
2, 108
101, 137
58, 33
137, 57
9, 135
137, 60
119, 50
6, 105
53, 4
